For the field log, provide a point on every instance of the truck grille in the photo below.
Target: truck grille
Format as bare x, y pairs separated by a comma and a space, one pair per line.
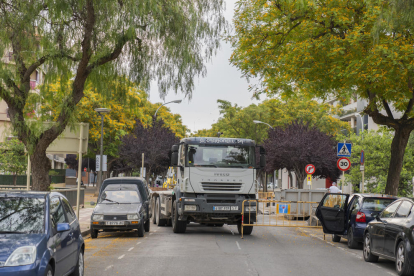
221, 187
115, 217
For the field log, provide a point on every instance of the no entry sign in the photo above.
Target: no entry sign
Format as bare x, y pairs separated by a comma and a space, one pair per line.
310, 169
343, 164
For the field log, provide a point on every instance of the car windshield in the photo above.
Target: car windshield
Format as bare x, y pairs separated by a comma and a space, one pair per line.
376, 204
22, 215
220, 156
119, 197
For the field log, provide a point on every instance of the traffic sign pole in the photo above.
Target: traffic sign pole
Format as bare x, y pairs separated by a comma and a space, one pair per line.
363, 170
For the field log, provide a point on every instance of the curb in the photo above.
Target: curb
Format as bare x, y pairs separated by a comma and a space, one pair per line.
85, 232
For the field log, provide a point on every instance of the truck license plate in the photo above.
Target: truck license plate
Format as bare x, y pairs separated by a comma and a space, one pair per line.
225, 208
114, 223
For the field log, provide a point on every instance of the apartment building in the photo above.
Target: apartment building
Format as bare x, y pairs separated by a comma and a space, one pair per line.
36, 79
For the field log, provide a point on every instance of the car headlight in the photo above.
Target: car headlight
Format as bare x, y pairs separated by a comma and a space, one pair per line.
250, 209
133, 217
97, 217
24, 255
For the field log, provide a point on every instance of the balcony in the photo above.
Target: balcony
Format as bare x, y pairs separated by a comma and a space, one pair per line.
33, 84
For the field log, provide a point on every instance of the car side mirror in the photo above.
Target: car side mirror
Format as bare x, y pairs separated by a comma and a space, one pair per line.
93, 203
62, 227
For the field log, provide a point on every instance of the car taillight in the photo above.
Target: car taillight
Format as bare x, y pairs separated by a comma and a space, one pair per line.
360, 217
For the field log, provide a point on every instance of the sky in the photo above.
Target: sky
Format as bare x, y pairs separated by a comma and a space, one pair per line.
223, 81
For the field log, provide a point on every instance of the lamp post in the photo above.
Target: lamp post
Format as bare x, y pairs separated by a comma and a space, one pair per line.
274, 173
101, 112
176, 101
362, 138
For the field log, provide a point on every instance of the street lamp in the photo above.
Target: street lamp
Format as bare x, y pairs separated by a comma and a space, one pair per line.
102, 112
176, 101
260, 122
274, 173
362, 138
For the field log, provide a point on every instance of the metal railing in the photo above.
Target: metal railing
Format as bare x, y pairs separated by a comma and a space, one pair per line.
278, 213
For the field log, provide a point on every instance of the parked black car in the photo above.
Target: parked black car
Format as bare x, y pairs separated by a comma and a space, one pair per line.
391, 236
120, 207
361, 209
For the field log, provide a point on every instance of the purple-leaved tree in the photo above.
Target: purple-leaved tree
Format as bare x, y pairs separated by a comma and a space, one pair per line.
154, 141
296, 145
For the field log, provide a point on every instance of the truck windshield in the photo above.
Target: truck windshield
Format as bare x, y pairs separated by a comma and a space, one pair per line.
226, 156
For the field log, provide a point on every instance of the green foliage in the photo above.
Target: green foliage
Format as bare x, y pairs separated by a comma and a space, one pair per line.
13, 159
237, 121
377, 149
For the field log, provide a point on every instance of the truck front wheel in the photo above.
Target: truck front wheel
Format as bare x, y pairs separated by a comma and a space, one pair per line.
177, 225
247, 230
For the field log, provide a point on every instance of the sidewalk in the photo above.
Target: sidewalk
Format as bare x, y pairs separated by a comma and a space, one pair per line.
85, 213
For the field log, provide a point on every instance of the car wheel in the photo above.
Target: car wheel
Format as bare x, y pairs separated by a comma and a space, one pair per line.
177, 225
351, 242
160, 222
401, 264
147, 225
368, 256
247, 230
336, 238
49, 270
94, 233
79, 269
141, 230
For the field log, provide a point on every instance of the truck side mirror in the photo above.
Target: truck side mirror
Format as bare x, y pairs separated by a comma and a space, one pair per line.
262, 161
174, 148
174, 159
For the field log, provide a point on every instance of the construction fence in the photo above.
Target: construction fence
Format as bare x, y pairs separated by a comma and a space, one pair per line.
279, 213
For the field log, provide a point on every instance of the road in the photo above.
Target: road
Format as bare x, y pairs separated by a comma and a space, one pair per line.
220, 251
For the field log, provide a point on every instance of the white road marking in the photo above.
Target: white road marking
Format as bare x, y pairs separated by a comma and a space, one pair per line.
130, 249
150, 233
238, 246
109, 267
138, 243
232, 232
156, 230
120, 257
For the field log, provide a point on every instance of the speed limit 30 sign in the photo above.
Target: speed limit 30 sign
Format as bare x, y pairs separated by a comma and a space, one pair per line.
343, 164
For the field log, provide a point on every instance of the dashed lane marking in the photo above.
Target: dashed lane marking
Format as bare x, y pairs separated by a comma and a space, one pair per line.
130, 249
238, 245
109, 267
120, 257
138, 243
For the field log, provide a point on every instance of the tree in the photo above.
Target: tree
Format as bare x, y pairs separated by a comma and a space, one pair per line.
96, 42
155, 142
296, 145
328, 48
13, 158
237, 121
376, 146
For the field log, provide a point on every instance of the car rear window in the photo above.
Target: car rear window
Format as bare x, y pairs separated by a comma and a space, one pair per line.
376, 204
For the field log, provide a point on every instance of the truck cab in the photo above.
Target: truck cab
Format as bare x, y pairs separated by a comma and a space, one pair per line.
214, 177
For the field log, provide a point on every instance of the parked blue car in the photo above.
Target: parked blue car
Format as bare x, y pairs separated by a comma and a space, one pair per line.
39, 235
351, 218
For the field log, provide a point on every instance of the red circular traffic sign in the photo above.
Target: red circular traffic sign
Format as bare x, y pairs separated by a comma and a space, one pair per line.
343, 164
84, 169
310, 169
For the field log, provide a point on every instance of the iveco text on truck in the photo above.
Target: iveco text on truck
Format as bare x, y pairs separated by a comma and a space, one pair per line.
214, 176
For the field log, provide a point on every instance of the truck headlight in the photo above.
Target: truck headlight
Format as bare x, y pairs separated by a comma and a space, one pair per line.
24, 255
133, 217
97, 217
190, 207
250, 209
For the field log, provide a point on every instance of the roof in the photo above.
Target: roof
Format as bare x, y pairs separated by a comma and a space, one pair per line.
376, 195
116, 187
33, 194
218, 141
125, 178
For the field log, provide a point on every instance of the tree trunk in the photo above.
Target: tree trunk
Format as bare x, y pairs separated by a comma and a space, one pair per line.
15, 179
300, 178
399, 143
40, 170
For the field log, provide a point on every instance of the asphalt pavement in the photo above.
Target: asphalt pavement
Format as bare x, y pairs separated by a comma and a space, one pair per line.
220, 251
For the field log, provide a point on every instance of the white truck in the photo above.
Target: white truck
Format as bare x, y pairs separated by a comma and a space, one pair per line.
214, 177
